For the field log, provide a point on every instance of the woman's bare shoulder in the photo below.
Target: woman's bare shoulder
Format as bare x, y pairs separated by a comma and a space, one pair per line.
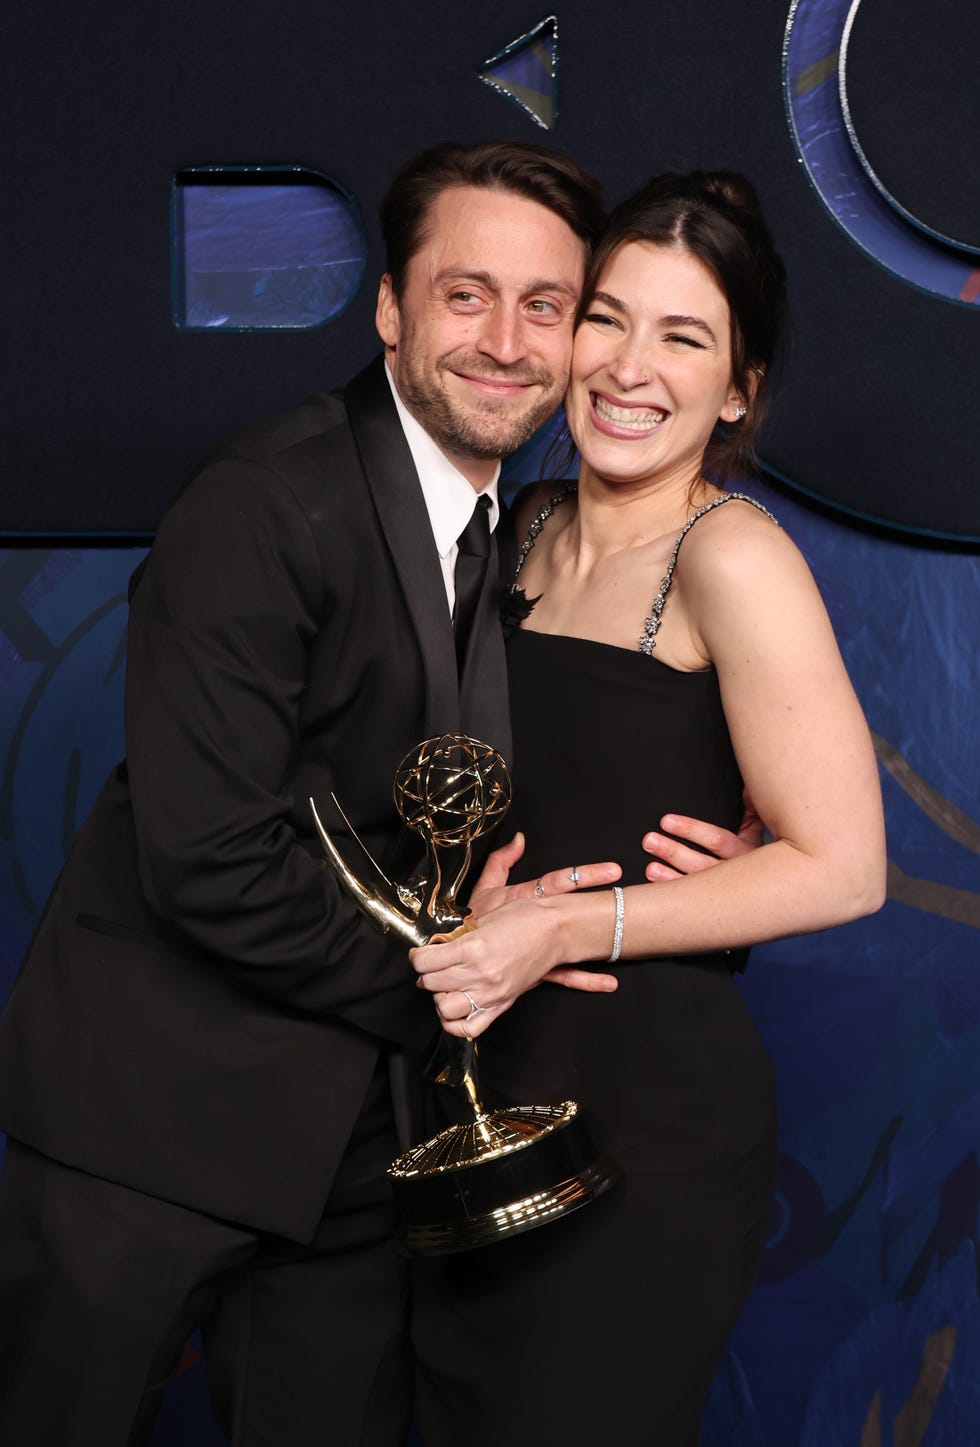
737, 538
744, 578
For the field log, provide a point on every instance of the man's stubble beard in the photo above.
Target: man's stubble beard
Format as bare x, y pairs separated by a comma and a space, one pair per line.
485, 430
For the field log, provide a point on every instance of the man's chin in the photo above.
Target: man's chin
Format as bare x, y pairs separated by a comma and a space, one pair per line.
491, 437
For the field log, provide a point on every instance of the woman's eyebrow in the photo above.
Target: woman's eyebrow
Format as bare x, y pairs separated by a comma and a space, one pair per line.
674, 320
607, 299
697, 322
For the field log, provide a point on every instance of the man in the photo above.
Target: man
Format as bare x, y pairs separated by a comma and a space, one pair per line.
195, 1064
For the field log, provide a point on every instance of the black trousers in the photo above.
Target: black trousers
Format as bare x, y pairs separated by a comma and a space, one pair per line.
100, 1287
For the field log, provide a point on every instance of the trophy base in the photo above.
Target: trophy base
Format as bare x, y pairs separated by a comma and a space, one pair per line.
504, 1173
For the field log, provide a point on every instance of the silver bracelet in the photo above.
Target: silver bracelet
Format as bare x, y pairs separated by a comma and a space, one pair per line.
617, 948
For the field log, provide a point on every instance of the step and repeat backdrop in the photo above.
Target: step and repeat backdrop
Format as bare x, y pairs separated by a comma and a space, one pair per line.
192, 243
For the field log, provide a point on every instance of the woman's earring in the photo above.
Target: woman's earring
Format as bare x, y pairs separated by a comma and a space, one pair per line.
740, 412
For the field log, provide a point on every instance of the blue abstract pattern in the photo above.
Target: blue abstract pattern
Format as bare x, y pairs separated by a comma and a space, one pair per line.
271, 248
526, 72
62, 656
813, 54
844, 87
910, 1369
875, 1032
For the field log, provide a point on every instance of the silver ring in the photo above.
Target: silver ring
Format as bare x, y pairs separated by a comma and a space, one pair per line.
475, 1009
539, 890
574, 877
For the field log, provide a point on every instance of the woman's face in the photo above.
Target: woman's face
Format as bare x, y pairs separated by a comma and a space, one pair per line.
651, 367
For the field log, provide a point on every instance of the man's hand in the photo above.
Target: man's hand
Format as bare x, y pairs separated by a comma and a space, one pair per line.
675, 859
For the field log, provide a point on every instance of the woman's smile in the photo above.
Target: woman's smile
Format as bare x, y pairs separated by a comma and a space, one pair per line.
619, 417
651, 367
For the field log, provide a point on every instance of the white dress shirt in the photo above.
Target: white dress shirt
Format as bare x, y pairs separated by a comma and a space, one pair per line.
449, 497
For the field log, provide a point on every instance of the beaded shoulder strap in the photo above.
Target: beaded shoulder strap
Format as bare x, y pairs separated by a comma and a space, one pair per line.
539, 520
651, 624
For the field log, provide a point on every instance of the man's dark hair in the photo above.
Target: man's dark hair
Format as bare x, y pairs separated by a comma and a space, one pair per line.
537, 172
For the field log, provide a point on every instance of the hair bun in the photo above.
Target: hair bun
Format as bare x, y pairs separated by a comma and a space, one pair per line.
732, 188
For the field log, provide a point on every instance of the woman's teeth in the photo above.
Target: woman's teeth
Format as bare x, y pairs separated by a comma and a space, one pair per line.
641, 419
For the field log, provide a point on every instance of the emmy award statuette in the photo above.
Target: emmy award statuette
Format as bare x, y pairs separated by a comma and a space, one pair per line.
503, 1171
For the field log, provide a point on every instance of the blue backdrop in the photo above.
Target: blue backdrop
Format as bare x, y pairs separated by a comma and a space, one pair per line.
867, 1307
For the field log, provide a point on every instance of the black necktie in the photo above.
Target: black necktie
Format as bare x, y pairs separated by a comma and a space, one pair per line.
471, 570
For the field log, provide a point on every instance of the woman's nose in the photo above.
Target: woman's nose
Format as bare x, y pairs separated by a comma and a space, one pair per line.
631, 367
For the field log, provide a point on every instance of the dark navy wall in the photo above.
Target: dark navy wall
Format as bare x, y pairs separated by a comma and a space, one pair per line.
105, 404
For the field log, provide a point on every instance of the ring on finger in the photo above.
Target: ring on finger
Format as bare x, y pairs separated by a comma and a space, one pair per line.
575, 877
475, 1009
539, 890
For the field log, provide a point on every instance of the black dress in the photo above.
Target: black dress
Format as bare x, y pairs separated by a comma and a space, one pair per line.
607, 1327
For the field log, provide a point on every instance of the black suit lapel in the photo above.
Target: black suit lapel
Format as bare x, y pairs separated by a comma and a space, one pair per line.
506, 545
479, 705
394, 485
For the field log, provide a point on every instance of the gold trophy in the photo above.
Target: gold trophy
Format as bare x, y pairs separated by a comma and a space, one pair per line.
504, 1171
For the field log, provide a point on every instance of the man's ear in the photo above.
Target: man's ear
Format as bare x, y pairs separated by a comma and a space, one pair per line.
387, 317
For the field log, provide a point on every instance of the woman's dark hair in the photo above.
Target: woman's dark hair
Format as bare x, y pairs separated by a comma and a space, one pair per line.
714, 216
537, 172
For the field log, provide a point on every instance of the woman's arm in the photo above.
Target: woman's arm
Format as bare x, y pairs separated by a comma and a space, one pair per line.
803, 747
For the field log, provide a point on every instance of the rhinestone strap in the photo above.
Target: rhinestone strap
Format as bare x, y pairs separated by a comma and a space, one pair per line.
539, 520
651, 624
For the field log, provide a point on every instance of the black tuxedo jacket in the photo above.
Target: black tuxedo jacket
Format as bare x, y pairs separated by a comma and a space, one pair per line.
201, 1009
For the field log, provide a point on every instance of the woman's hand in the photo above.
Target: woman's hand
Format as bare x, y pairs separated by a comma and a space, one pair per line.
477, 975
492, 888
513, 957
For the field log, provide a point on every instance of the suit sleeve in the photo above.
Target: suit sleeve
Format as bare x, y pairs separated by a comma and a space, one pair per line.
221, 628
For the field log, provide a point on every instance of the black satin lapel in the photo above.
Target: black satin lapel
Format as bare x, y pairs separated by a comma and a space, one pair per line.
397, 495
506, 546
484, 700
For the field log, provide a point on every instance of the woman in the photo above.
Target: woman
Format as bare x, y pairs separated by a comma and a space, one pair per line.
626, 698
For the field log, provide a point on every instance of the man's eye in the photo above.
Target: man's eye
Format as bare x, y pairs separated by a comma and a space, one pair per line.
542, 307
464, 296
